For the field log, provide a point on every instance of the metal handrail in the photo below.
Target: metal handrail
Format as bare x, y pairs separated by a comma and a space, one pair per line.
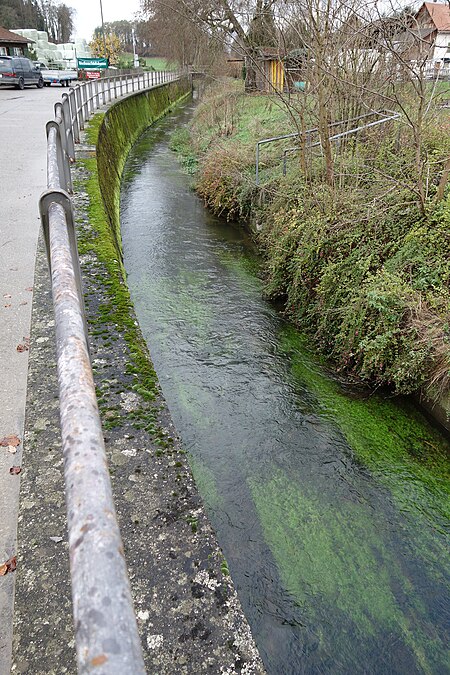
343, 134
386, 115
106, 634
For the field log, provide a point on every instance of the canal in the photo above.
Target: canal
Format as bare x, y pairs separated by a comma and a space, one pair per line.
330, 505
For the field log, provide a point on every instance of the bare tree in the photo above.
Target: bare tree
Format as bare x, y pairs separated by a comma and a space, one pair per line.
356, 60
177, 37
245, 24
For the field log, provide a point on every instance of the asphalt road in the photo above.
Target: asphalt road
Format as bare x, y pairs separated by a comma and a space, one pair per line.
23, 115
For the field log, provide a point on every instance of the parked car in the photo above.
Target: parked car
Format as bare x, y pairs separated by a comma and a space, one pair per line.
54, 76
19, 72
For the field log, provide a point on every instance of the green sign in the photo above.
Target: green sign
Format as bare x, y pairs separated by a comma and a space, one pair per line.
96, 63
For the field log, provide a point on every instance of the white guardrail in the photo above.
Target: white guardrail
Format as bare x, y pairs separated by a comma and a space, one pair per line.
106, 635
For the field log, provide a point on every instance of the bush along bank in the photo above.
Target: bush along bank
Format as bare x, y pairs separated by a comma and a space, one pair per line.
359, 263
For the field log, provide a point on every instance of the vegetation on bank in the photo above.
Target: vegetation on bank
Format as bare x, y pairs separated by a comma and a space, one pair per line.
361, 263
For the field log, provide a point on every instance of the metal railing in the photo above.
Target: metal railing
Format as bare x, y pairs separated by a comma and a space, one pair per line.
106, 635
384, 115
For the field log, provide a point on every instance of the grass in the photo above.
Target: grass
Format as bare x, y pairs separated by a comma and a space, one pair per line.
158, 63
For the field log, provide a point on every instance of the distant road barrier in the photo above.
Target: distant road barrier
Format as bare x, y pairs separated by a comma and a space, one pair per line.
107, 639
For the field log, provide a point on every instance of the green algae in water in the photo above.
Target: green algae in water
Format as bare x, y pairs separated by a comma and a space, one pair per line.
341, 573
381, 602
390, 437
339, 561
243, 265
206, 482
185, 296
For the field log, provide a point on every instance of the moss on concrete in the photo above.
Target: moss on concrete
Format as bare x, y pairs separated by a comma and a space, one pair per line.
123, 123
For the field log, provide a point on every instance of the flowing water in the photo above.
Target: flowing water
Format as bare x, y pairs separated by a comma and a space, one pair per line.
331, 508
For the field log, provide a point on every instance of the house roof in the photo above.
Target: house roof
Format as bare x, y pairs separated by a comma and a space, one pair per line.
8, 36
440, 15
270, 53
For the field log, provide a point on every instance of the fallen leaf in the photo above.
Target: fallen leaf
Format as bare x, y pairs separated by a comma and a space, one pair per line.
11, 564
99, 660
15, 470
8, 566
22, 348
10, 440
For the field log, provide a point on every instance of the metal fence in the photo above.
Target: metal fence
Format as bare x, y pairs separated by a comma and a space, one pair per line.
107, 639
308, 135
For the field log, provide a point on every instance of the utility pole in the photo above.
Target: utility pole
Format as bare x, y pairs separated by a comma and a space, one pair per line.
135, 56
103, 29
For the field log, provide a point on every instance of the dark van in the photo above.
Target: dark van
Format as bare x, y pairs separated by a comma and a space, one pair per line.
19, 72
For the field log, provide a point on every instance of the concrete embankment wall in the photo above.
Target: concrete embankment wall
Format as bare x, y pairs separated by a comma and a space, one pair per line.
124, 122
439, 410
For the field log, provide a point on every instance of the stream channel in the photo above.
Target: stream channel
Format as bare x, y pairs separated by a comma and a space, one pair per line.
331, 507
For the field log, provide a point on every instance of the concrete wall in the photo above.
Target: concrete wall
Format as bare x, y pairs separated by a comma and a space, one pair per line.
123, 123
439, 410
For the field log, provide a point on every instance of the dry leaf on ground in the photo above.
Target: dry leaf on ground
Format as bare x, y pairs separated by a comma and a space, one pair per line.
10, 440
8, 566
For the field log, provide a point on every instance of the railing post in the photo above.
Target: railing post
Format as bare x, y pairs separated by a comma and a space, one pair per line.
62, 158
104, 84
74, 115
97, 97
79, 106
90, 87
67, 127
85, 95
257, 164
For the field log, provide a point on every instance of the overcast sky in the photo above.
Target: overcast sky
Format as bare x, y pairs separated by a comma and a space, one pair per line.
88, 15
